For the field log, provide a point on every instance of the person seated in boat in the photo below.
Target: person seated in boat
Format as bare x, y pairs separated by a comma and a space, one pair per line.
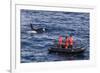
60, 41
67, 42
71, 41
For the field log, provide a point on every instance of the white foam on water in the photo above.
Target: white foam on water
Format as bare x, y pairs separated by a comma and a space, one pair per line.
32, 32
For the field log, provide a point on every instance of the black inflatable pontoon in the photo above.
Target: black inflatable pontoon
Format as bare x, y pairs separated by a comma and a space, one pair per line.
67, 51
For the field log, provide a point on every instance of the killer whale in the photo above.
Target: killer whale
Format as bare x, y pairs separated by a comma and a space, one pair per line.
37, 30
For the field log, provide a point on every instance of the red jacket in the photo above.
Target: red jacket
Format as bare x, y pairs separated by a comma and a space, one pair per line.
66, 43
71, 40
60, 40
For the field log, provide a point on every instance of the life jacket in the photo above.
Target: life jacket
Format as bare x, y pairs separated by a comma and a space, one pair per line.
67, 43
60, 40
71, 40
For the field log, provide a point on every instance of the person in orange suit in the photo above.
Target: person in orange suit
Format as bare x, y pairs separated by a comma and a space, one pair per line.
60, 41
71, 41
66, 42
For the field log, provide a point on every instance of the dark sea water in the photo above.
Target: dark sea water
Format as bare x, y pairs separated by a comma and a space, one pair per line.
34, 46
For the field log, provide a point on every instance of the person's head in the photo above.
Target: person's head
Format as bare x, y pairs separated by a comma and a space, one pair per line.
60, 36
70, 35
66, 36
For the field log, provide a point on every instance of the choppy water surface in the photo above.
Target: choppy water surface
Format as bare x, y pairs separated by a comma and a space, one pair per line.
34, 47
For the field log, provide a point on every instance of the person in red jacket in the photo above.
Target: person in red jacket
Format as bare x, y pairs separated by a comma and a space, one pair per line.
66, 42
71, 41
60, 41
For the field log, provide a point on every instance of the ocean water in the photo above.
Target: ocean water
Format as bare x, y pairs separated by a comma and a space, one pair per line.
34, 46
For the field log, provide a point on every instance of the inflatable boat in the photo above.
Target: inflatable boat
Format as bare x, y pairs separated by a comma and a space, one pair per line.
66, 50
